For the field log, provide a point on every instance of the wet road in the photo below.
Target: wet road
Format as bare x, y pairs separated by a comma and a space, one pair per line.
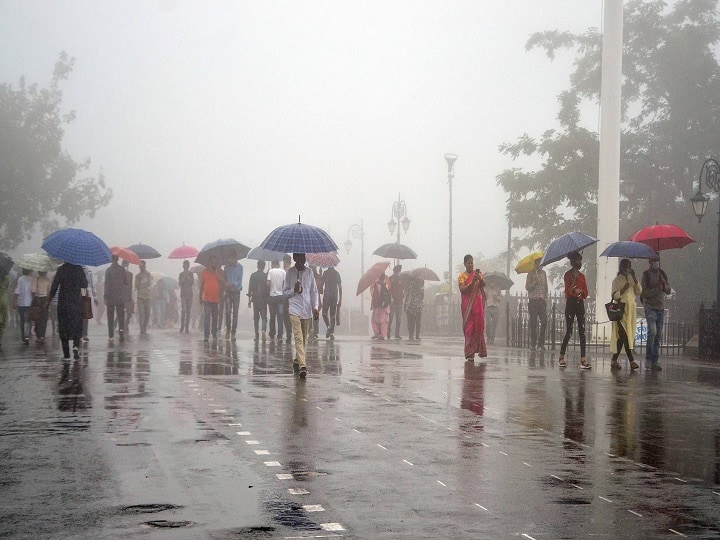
167, 438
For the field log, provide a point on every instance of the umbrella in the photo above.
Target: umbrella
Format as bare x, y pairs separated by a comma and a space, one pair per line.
424, 273
527, 263
197, 269
371, 275
567, 243
498, 280
77, 246
299, 238
170, 283
6, 263
323, 260
629, 249
183, 252
260, 254
395, 250
144, 251
661, 237
38, 262
125, 254
220, 250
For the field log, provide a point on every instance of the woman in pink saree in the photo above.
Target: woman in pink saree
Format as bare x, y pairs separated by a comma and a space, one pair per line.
472, 292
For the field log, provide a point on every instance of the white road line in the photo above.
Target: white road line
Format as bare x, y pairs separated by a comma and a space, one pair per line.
262, 452
381, 446
319, 408
715, 493
604, 499
220, 411
528, 536
443, 485
336, 418
252, 442
480, 506
284, 476
406, 461
235, 424
272, 464
575, 486
527, 464
243, 433
681, 480
356, 431
298, 491
557, 477
634, 512
677, 532
485, 445
313, 508
331, 527
503, 453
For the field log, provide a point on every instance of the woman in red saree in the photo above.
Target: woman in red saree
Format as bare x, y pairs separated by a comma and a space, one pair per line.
472, 292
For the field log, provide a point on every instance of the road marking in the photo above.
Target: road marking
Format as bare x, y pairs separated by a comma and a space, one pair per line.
220, 411
481, 506
313, 508
356, 431
575, 486
331, 527
284, 476
262, 452
252, 442
528, 536
381, 446
485, 445
634, 512
715, 493
439, 482
406, 461
272, 464
681, 480
243, 433
319, 408
677, 532
336, 418
605, 499
298, 491
503, 453
527, 464
235, 424
557, 477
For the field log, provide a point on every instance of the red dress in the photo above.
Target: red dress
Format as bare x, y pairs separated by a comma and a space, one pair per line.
473, 312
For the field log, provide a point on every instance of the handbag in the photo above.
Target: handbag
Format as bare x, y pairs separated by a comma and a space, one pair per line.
87, 310
615, 310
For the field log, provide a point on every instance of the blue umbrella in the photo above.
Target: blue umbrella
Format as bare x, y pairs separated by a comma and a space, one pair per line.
566, 244
144, 251
77, 246
630, 249
299, 238
260, 254
220, 250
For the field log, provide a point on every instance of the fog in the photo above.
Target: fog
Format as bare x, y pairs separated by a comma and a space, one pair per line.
227, 118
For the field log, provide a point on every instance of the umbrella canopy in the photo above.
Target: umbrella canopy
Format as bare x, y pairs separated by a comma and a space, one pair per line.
220, 249
661, 237
183, 252
567, 243
197, 269
299, 238
424, 273
498, 280
371, 275
170, 283
125, 254
6, 263
260, 254
323, 260
144, 251
395, 250
38, 262
77, 246
629, 249
527, 263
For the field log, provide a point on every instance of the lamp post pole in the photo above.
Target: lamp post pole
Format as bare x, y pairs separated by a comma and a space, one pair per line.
357, 231
450, 159
710, 172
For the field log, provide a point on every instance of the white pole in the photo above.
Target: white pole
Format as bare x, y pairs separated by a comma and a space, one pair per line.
608, 206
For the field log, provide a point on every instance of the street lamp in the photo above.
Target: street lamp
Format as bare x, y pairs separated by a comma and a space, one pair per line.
398, 215
450, 159
710, 171
357, 231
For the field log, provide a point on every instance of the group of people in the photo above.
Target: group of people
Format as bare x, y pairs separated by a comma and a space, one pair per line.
390, 297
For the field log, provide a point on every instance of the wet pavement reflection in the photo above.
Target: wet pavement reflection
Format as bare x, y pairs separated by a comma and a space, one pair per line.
221, 440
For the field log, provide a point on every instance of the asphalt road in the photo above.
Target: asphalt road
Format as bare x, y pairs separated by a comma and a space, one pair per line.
165, 437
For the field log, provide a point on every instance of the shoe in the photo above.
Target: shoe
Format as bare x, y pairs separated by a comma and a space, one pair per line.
26, 341
398, 337
111, 340
541, 347
86, 339
76, 353
653, 367
303, 372
227, 334
122, 336
296, 368
232, 337
584, 364
634, 365
561, 361
614, 365
288, 340
470, 358
327, 333
264, 338
256, 339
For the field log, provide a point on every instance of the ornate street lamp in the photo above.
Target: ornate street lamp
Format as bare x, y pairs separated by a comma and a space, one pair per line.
357, 231
398, 215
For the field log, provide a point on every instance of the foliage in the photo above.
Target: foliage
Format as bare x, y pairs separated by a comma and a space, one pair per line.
40, 183
671, 124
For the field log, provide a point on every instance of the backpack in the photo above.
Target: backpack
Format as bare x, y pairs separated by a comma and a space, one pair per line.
384, 296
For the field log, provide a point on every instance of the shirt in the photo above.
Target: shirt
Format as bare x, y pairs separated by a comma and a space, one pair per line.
23, 289
115, 283
210, 286
234, 277
654, 288
276, 278
143, 284
331, 283
578, 283
536, 284
257, 288
397, 291
186, 279
301, 304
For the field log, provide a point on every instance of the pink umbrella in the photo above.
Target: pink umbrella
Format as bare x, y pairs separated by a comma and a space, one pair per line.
183, 252
323, 260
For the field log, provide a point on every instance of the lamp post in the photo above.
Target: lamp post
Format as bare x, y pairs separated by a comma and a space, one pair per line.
357, 231
398, 218
710, 172
450, 159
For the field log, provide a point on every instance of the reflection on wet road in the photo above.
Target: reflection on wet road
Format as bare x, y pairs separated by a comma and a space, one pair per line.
382, 440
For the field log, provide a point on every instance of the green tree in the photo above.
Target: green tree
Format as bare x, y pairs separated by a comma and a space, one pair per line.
40, 183
671, 124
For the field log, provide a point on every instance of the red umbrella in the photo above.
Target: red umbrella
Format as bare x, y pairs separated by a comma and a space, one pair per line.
125, 254
371, 275
183, 252
661, 237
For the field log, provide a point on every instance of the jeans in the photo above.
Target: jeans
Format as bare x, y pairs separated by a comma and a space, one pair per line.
24, 322
210, 322
329, 312
574, 308
143, 305
111, 310
537, 312
395, 310
655, 319
185, 308
413, 324
259, 312
232, 306
277, 315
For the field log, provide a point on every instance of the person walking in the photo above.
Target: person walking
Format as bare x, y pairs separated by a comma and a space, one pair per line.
186, 279
380, 306
576, 292
287, 260
232, 286
143, 295
332, 300
40, 290
71, 282
397, 297
22, 300
655, 288
624, 288
258, 299
276, 300
301, 291
4, 286
492, 311
114, 297
537, 288
414, 295
472, 293
128, 296
211, 285
92, 293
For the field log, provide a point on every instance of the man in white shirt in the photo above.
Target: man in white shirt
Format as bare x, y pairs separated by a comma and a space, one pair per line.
303, 300
22, 300
276, 302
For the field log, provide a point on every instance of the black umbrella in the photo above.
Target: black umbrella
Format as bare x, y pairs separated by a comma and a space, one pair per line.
498, 280
6, 263
395, 251
144, 251
220, 249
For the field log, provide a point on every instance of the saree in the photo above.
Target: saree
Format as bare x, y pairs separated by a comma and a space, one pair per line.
473, 312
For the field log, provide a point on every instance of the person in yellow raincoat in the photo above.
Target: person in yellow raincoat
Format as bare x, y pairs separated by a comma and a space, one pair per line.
625, 287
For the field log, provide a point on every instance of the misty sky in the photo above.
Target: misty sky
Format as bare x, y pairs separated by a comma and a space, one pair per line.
227, 118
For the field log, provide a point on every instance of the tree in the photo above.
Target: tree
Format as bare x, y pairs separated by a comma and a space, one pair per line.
40, 183
671, 124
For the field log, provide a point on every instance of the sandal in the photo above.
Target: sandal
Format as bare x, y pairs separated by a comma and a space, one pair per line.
584, 364
615, 365
561, 361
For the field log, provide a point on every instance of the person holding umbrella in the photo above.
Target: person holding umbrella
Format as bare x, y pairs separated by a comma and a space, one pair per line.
143, 294
537, 288
655, 287
303, 301
71, 281
624, 288
472, 290
576, 292
211, 285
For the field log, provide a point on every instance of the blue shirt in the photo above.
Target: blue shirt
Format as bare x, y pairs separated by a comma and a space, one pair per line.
234, 277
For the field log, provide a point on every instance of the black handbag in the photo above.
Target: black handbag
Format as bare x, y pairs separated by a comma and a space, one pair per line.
615, 310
